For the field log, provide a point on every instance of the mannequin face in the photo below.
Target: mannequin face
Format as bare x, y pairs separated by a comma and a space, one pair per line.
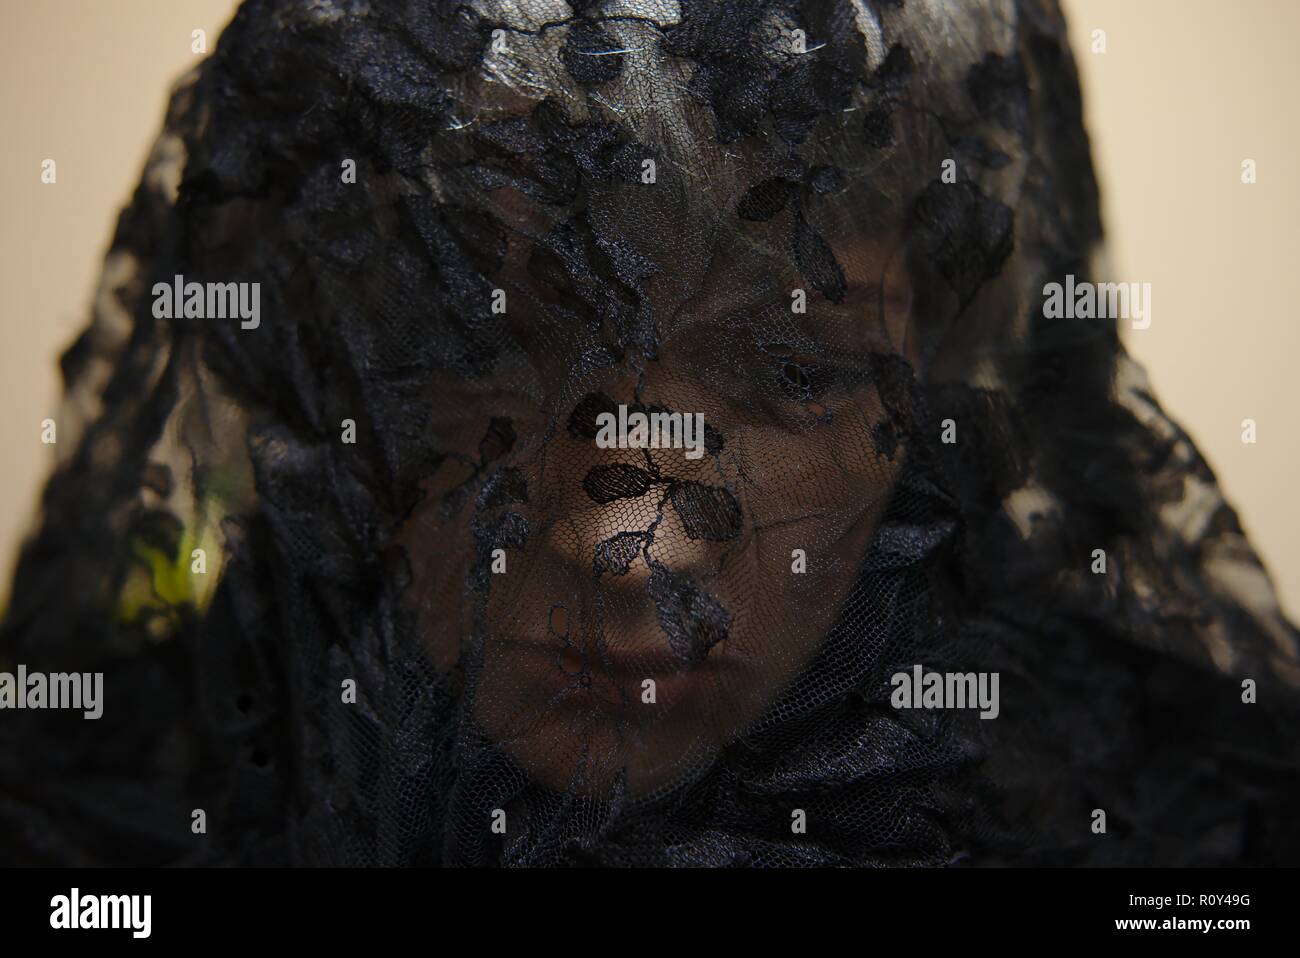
643, 631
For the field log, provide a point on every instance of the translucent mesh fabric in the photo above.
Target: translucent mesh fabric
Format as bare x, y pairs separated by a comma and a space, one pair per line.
477, 227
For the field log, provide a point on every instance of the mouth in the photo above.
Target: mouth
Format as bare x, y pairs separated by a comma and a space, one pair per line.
643, 664
616, 675
614, 662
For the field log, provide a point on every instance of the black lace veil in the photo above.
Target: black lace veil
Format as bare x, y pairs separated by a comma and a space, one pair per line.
367, 588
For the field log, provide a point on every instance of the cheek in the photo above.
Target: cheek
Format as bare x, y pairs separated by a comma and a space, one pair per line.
826, 470
812, 502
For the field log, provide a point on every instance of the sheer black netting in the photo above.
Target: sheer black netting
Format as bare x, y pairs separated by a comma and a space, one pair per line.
442, 622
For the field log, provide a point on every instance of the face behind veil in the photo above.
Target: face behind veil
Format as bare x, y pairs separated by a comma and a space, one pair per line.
639, 388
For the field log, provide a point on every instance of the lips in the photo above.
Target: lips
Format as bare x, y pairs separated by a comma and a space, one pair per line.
617, 662
615, 678
644, 664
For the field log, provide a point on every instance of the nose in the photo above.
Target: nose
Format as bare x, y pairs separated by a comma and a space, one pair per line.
615, 542
616, 511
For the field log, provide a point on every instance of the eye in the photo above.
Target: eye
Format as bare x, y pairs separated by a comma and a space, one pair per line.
795, 376
803, 378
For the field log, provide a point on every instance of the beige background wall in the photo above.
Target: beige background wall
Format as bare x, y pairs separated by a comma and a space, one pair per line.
1184, 92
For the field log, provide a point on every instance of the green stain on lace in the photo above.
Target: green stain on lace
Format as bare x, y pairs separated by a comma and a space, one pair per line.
160, 584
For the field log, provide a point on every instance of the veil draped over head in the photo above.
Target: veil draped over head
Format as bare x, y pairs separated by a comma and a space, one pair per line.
383, 572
